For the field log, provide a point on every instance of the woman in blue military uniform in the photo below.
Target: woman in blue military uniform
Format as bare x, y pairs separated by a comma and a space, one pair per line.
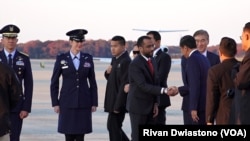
78, 97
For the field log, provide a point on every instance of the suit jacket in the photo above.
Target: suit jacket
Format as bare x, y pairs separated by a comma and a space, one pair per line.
219, 81
22, 68
213, 58
195, 76
242, 83
78, 87
144, 88
9, 96
163, 61
115, 97
183, 90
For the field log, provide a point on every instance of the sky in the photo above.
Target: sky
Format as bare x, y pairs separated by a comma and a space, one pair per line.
50, 19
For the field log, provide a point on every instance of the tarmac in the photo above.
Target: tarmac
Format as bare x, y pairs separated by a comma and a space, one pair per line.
41, 125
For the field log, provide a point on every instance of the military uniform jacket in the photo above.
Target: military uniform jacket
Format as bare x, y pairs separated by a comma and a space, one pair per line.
22, 68
78, 87
115, 97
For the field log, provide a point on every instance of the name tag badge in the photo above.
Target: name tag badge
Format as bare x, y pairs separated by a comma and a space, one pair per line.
86, 65
65, 67
20, 63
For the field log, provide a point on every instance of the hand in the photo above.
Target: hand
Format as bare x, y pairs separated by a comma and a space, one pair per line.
93, 108
172, 91
126, 88
194, 115
56, 109
155, 110
209, 123
23, 114
108, 70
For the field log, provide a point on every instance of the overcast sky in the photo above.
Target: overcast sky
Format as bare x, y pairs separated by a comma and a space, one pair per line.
51, 19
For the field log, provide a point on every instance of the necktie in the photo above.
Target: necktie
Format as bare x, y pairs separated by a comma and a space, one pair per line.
151, 68
76, 62
10, 61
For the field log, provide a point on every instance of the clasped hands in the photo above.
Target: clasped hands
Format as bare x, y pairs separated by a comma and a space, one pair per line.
171, 91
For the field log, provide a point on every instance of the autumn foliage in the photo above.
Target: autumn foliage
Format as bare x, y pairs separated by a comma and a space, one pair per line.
98, 48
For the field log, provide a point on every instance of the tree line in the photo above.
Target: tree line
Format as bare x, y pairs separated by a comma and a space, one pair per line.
37, 49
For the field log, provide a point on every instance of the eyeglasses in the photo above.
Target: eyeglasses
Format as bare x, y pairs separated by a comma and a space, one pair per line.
136, 52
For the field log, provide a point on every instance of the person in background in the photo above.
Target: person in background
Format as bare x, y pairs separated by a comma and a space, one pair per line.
115, 97
163, 61
134, 52
202, 40
9, 96
242, 80
20, 63
78, 96
195, 82
220, 83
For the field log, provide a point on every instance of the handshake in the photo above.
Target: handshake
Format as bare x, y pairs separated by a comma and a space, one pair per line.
171, 91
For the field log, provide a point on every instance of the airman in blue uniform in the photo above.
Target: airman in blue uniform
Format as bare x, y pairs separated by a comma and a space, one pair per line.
77, 97
20, 63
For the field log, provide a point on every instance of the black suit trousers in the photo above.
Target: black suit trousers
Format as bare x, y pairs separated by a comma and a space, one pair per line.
136, 120
114, 124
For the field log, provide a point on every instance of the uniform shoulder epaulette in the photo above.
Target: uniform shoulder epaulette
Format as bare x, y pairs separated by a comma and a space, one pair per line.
24, 54
87, 54
60, 54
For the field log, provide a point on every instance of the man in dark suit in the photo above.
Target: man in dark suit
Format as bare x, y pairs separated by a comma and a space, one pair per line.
144, 89
202, 40
195, 77
242, 81
115, 97
163, 61
20, 63
9, 96
78, 97
220, 83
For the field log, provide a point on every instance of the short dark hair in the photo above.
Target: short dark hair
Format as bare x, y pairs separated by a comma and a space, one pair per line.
156, 35
247, 27
120, 39
140, 40
188, 41
228, 47
201, 32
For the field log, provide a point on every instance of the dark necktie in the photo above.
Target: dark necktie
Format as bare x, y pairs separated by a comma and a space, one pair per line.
151, 68
10, 61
